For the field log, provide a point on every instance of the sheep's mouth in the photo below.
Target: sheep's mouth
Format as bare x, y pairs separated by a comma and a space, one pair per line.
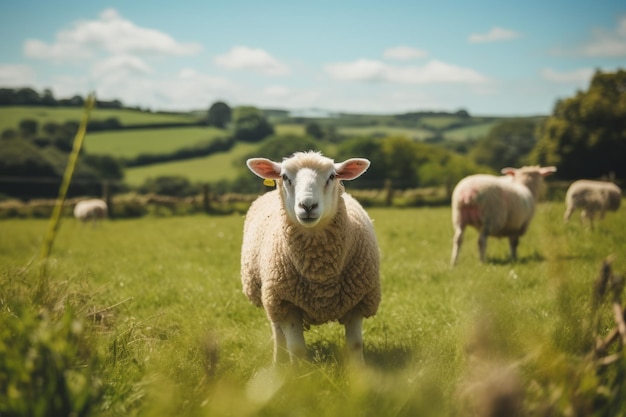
308, 221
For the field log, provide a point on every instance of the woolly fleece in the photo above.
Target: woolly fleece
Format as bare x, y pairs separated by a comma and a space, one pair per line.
325, 272
592, 196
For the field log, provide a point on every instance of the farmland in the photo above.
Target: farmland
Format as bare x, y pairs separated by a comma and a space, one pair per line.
130, 143
170, 333
11, 116
216, 167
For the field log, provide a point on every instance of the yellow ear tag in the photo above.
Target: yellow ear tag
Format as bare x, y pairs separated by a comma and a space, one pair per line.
268, 182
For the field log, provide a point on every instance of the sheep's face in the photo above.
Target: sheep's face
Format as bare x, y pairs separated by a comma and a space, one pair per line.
309, 183
531, 177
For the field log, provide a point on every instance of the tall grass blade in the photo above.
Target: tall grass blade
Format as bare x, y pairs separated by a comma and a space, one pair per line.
53, 226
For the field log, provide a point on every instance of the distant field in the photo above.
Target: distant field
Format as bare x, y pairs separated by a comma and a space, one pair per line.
413, 133
130, 143
220, 166
439, 122
469, 132
10, 117
289, 129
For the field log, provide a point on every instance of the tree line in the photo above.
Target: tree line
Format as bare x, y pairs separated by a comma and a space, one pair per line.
585, 137
31, 97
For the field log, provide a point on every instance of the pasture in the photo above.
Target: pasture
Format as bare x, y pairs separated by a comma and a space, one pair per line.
412, 133
131, 143
12, 115
465, 133
170, 332
211, 168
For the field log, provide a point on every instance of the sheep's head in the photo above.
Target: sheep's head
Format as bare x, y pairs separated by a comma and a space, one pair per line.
309, 183
530, 176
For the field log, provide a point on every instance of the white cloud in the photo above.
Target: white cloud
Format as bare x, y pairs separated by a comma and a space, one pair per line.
494, 35
277, 91
360, 70
110, 33
34, 48
16, 75
186, 90
404, 53
434, 71
607, 43
244, 58
125, 64
582, 75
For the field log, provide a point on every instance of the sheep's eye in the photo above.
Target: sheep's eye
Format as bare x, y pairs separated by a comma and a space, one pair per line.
286, 179
332, 177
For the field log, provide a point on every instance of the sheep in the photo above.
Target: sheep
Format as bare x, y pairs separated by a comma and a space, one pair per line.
496, 206
591, 197
309, 253
93, 209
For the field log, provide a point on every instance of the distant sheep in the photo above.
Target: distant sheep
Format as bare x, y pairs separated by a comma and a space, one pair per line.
496, 206
309, 253
93, 210
591, 197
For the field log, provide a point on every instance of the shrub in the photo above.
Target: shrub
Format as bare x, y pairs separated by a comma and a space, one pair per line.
45, 368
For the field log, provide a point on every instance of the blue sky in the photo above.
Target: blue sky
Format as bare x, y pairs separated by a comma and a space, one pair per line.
384, 57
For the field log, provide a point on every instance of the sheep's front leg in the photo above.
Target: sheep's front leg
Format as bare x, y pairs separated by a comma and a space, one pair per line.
353, 323
457, 241
513, 243
280, 343
290, 336
482, 245
568, 214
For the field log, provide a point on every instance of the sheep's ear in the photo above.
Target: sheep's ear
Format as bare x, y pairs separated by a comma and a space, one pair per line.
264, 168
508, 171
545, 171
351, 168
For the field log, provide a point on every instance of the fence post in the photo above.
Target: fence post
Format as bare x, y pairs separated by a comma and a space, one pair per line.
106, 195
206, 202
388, 193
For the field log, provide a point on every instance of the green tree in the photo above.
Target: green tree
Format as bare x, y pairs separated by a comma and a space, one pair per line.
369, 148
401, 161
506, 145
314, 130
219, 114
251, 125
48, 98
28, 128
107, 166
586, 134
173, 185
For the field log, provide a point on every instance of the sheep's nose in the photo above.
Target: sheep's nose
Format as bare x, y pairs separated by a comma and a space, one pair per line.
308, 207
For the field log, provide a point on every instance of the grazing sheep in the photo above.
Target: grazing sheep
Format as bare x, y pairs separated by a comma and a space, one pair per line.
591, 197
496, 206
93, 209
309, 253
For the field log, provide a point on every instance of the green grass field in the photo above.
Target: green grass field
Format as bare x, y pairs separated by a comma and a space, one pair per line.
289, 129
11, 116
212, 168
439, 122
161, 308
478, 131
130, 143
412, 133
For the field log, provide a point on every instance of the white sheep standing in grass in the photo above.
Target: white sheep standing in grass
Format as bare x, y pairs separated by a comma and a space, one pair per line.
309, 253
496, 206
591, 197
93, 209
